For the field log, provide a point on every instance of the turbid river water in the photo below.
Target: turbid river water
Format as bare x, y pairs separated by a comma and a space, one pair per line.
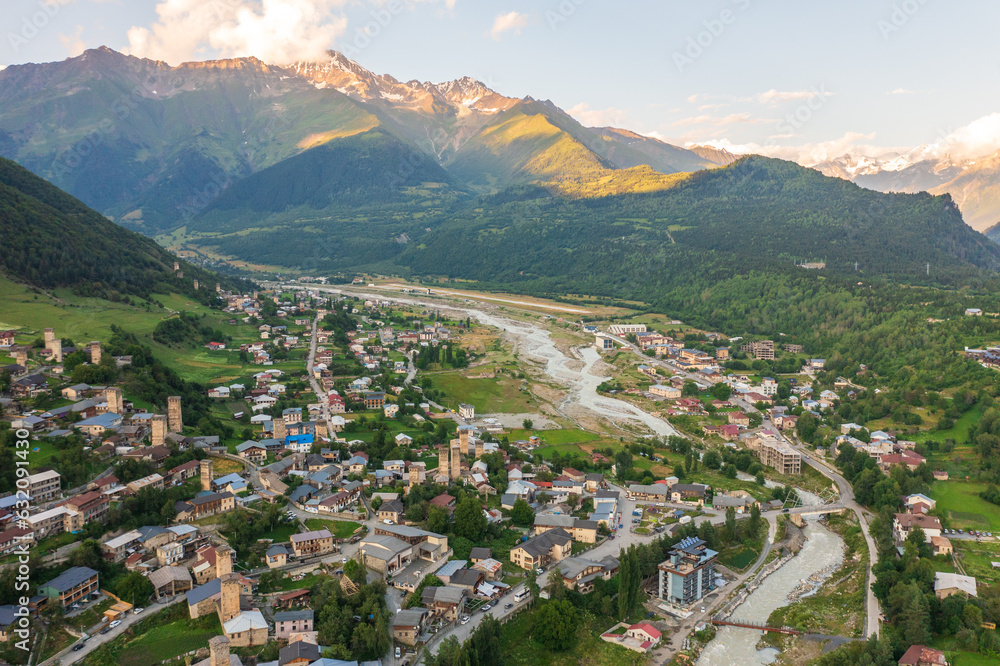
822, 549
575, 375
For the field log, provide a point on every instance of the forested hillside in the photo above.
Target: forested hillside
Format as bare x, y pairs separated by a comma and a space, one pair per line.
49, 239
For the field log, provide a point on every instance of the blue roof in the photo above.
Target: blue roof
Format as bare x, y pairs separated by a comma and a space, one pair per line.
107, 420
202, 592
70, 578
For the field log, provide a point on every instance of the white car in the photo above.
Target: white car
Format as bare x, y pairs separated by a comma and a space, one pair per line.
465, 620
138, 610
115, 624
399, 652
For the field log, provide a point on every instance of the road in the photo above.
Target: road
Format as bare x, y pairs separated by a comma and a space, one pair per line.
320, 394
872, 610
67, 656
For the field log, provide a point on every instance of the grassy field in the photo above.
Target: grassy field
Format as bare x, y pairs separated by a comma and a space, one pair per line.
224, 466
556, 437
520, 649
157, 638
959, 504
488, 396
739, 558
977, 558
341, 529
57, 639
281, 533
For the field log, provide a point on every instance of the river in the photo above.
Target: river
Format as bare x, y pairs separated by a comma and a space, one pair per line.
738, 647
575, 375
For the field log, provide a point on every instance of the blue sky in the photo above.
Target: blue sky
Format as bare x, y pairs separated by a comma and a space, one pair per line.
795, 79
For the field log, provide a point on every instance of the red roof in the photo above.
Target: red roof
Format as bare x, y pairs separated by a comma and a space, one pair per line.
294, 594
109, 480
648, 628
443, 500
543, 484
661, 482
920, 654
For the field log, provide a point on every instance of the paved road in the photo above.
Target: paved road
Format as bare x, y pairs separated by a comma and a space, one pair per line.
847, 500
67, 656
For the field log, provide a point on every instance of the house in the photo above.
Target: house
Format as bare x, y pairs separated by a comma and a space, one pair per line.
479, 554
656, 492
252, 451
43, 486
920, 655
579, 573
205, 505
947, 584
276, 556
688, 492
665, 391
919, 498
309, 544
739, 419
170, 581
941, 545
904, 523
584, 531
392, 511
287, 623
374, 400
445, 501
73, 585
645, 632
553, 545
466, 411
408, 624
446, 602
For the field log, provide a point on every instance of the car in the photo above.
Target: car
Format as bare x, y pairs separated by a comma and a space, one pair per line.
539, 571
702, 609
487, 607
387, 521
114, 624
508, 606
345, 560
138, 610
611, 538
77, 647
399, 653
105, 630
465, 619
784, 511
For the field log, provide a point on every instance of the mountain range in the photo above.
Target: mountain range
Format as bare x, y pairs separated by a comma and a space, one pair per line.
974, 184
326, 166
150, 145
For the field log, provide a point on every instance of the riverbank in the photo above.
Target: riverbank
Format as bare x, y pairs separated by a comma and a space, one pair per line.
836, 605
822, 550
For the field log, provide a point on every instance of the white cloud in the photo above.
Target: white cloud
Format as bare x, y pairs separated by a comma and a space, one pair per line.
978, 138
73, 43
598, 117
276, 31
717, 121
506, 22
902, 91
774, 96
808, 154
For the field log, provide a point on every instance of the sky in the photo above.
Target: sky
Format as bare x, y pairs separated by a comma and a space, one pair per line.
801, 80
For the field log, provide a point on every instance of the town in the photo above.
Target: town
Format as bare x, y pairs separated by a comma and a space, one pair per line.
350, 493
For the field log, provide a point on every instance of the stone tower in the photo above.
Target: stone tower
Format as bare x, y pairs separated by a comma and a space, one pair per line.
159, 435
95, 352
280, 432
322, 428
414, 478
218, 287
21, 357
174, 413
177, 266
180, 274
464, 436
55, 349
443, 461
223, 561
205, 467
456, 460
229, 604
218, 649
480, 448
50, 336
113, 395
196, 285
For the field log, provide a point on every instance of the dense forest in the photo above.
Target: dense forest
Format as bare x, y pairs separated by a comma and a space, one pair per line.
50, 240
